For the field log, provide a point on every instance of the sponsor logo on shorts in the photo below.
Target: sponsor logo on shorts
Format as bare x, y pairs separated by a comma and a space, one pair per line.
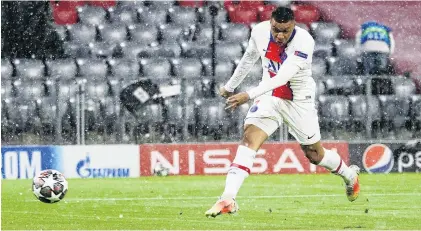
378, 158
253, 108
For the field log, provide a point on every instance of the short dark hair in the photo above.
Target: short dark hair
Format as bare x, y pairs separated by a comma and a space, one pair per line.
283, 14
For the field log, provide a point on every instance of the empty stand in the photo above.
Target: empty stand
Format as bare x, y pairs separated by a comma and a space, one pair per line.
6, 69
91, 15
29, 68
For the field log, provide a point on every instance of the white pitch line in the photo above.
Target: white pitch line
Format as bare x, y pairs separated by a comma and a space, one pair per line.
242, 197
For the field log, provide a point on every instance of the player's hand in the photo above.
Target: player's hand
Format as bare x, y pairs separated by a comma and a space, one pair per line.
237, 100
224, 93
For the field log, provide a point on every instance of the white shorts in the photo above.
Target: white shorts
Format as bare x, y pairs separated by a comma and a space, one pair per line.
268, 113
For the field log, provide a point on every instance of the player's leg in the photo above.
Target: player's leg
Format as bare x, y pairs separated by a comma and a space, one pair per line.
303, 124
332, 161
257, 128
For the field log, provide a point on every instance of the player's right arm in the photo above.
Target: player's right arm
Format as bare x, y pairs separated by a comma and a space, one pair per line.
243, 68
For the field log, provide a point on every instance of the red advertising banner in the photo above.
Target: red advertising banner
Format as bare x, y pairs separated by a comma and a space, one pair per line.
215, 158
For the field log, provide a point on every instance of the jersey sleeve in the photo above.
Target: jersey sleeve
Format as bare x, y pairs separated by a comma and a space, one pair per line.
246, 63
299, 57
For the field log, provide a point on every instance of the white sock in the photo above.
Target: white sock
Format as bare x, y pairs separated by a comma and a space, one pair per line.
239, 170
333, 162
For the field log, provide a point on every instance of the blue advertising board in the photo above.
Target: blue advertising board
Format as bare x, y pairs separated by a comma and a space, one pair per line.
23, 162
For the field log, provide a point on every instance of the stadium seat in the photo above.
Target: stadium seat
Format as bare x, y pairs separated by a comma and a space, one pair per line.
151, 121
161, 5
382, 85
206, 18
318, 67
334, 111
29, 68
403, 87
339, 85
320, 88
322, 50
196, 50
152, 17
91, 15
231, 32
103, 49
28, 89
360, 85
92, 69
174, 115
130, 5
47, 112
204, 33
61, 68
113, 33
104, 4
415, 113
6, 69
123, 15
26, 119
81, 33
205, 87
187, 68
223, 69
342, 65
394, 111
64, 12
131, 50
239, 14
143, 34
305, 13
171, 33
61, 32
109, 112
265, 12
75, 49
325, 32
230, 51
124, 67
196, 4
360, 110
6, 89
67, 89
183, 16
211, 119
155, 67
344, 48
96, 90
243, 4
165, 50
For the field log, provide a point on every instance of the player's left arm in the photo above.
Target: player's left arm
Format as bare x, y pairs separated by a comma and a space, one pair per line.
297, 59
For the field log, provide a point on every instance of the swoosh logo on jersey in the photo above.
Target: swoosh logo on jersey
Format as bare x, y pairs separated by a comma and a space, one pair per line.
309, 137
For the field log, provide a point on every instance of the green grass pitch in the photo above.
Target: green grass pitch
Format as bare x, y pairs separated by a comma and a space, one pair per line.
267, 202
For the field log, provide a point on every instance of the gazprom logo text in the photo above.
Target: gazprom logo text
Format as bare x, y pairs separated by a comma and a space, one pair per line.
84, 170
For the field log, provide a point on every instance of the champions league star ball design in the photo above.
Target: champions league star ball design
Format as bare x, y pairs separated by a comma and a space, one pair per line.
49, 186
378, 158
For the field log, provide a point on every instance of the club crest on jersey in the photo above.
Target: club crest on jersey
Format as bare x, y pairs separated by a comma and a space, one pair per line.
301, 54
253, 108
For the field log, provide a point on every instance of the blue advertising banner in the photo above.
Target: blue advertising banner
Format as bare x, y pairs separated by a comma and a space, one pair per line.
23, 162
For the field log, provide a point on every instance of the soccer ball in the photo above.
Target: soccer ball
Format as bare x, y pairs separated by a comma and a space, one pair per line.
160, 170
49, 186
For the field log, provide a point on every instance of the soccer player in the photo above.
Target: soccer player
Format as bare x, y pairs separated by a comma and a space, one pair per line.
286, 94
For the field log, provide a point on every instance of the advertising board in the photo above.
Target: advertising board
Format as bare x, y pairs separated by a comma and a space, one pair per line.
215, 158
